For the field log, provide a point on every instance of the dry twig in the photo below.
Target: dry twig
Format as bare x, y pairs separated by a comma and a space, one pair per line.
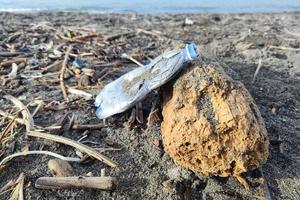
80, 93
16, 60
5, 114
73, 126
117, 36
17, 193
284, 48
27, 118
49, 153
124, 55
257, 70
88, 150
53, 67
62, 72
7, 187
7, 128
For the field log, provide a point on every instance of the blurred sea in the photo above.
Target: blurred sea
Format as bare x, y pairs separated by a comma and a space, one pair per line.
151, 6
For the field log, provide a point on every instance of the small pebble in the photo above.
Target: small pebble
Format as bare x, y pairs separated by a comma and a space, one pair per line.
59, 167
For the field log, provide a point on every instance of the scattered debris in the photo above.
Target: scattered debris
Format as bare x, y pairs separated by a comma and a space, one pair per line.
98, 42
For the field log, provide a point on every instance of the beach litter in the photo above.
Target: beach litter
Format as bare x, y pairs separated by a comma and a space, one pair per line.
132, 87
188, 21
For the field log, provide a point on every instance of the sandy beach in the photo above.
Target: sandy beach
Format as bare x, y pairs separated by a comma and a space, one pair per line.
260, 50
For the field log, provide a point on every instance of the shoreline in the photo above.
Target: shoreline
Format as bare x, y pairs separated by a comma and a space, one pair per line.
45, 11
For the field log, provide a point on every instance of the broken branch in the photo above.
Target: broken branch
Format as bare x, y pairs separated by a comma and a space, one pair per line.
102, 183
62, 72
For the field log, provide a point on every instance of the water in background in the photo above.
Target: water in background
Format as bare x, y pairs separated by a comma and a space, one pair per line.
152, 6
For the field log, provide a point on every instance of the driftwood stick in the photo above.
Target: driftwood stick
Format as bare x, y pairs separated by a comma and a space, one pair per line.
102, 183
62, 72
88, 150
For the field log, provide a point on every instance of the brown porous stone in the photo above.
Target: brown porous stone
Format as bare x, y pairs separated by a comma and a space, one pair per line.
211, 124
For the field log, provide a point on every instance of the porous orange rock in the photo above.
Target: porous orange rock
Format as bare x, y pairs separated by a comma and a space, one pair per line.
211, 124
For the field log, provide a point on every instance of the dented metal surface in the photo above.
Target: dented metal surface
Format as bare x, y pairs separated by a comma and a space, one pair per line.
132, 87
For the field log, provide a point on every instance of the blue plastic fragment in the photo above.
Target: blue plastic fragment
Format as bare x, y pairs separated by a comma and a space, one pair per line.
78, 63
146, 62
33, 62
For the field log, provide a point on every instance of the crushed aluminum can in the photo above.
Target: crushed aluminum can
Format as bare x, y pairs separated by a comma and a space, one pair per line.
134, 86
